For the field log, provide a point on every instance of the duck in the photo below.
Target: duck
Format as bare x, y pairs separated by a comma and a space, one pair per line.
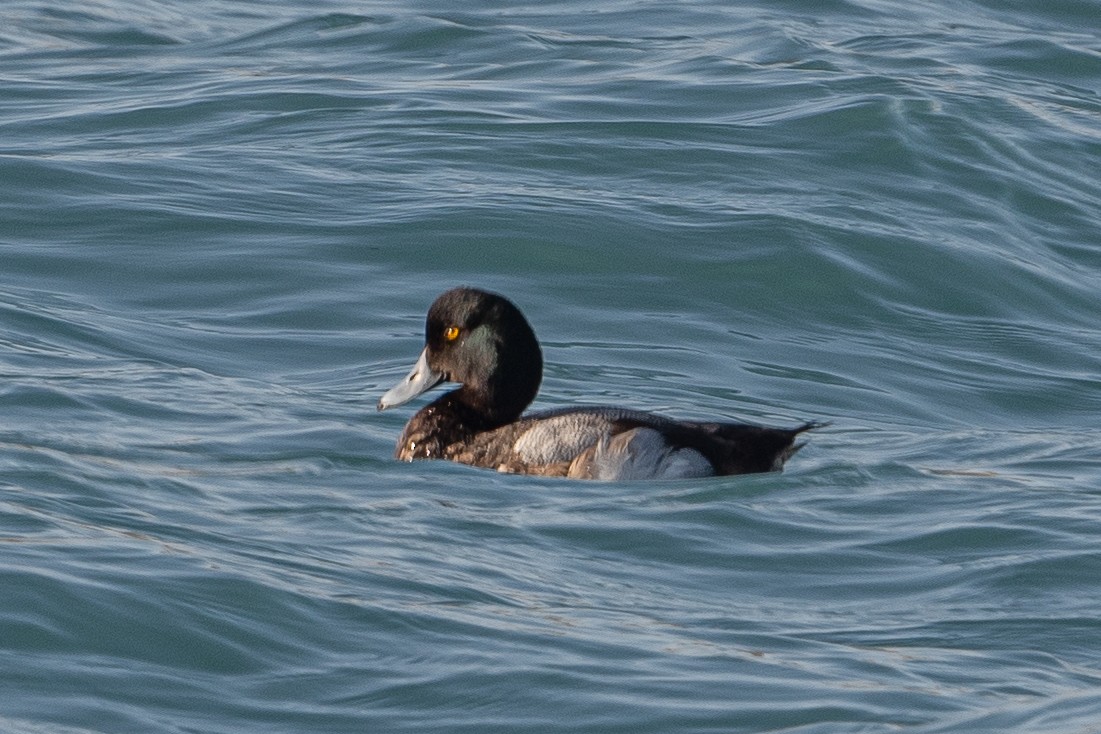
481, 341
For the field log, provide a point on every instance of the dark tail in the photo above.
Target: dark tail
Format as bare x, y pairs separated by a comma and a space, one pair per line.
745, 449
787, 453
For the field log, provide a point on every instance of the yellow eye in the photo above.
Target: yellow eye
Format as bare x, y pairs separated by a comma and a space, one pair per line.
451, 333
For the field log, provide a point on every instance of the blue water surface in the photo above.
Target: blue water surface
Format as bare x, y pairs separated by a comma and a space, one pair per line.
221, 224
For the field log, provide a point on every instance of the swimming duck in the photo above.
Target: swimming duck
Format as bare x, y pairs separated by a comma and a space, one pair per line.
482, 341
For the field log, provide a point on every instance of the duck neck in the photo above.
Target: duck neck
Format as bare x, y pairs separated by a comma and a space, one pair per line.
487, 407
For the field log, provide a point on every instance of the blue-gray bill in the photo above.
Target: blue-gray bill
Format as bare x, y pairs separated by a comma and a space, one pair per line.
420, 379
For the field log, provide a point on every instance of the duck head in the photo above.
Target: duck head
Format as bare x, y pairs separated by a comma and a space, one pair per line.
481, 341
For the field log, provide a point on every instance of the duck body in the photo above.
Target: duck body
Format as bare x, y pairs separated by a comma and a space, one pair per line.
482, 341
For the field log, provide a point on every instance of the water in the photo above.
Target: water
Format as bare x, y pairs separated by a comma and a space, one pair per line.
221, 224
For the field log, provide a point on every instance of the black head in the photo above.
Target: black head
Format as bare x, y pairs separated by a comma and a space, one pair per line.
483, 342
